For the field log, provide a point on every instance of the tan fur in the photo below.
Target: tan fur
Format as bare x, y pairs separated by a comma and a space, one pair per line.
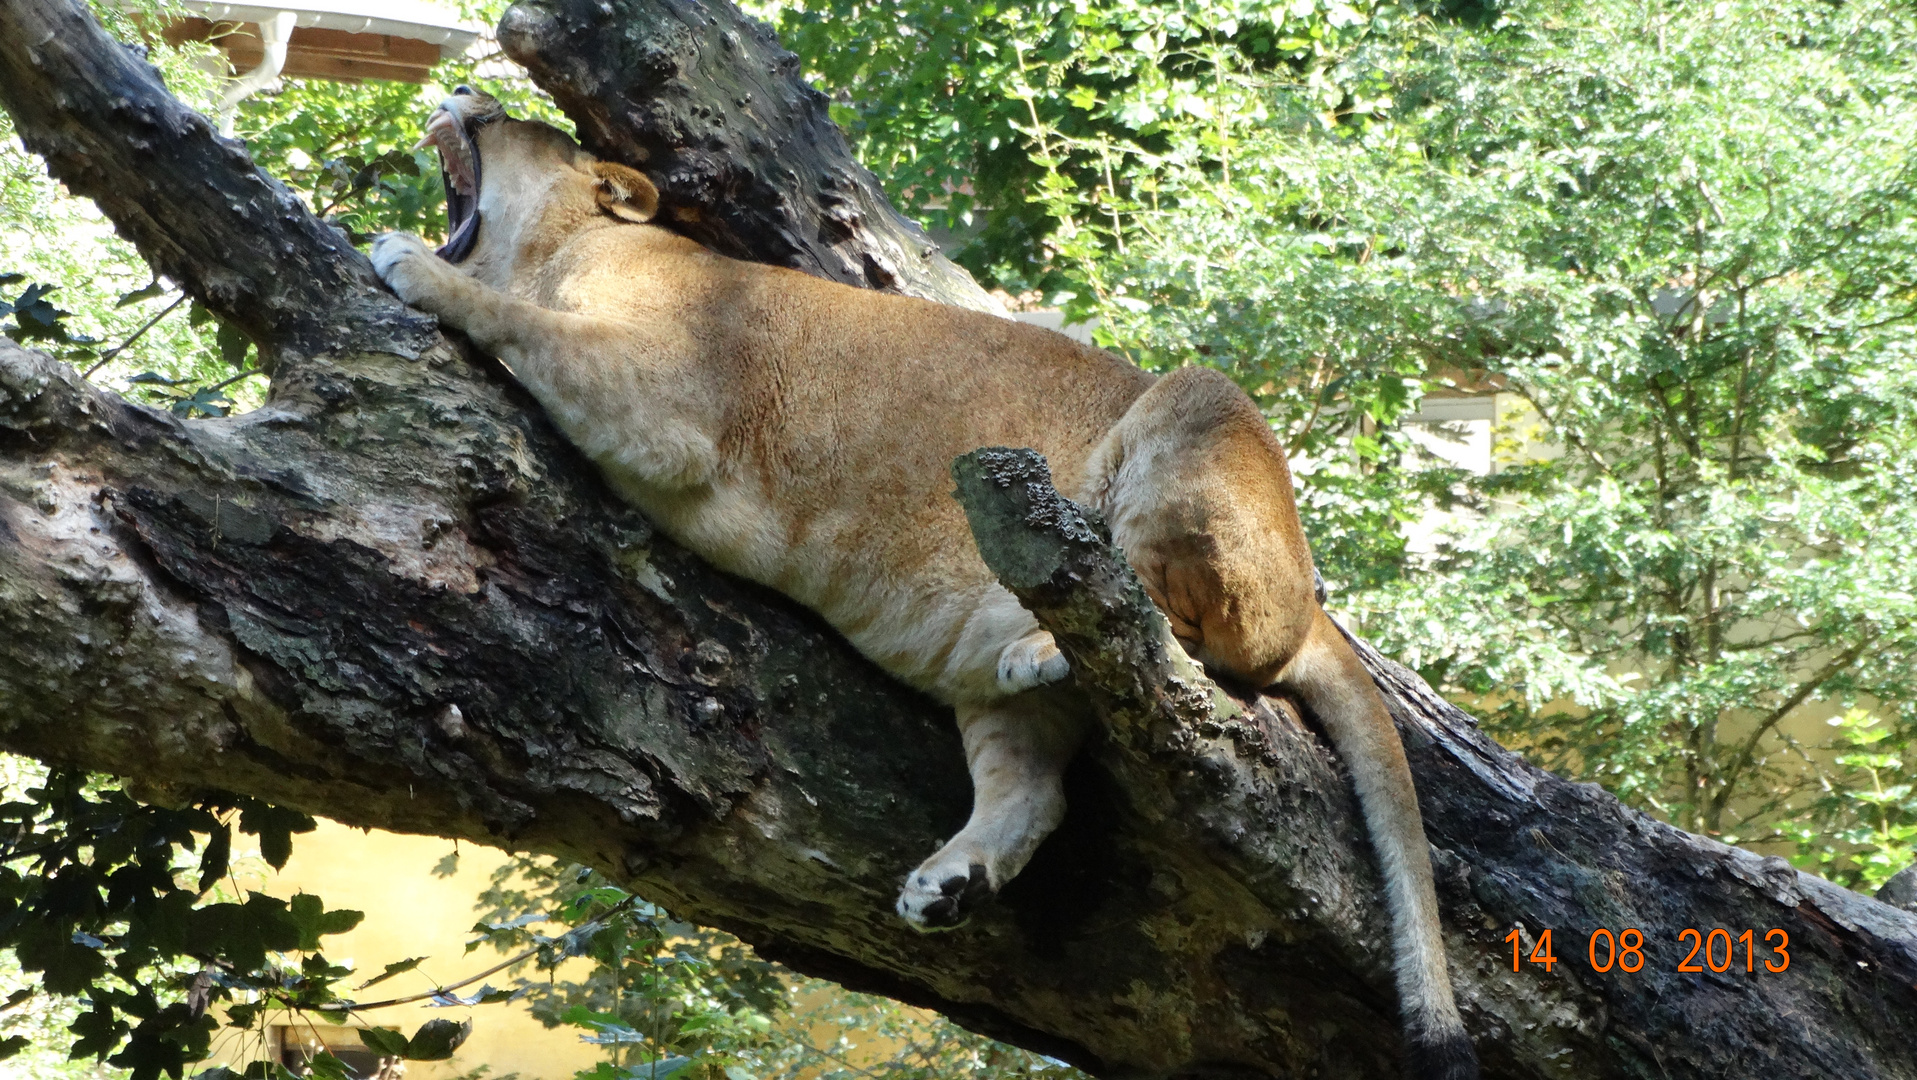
799, 433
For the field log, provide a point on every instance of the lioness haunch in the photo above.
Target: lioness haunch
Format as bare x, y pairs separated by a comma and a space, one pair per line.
799, 433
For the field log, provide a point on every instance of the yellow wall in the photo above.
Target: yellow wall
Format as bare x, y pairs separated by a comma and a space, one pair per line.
409, 912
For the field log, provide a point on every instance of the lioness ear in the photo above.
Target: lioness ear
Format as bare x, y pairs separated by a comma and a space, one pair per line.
625, 193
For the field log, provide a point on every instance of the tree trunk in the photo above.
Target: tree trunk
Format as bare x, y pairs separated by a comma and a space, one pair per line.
393, 596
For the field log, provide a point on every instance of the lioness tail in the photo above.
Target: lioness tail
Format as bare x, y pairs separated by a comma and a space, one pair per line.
1339, 692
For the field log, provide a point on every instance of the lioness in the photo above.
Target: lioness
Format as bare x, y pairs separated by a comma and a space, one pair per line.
799, 433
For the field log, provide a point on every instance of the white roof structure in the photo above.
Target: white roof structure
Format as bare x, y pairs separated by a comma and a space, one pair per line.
350, 40
415, 20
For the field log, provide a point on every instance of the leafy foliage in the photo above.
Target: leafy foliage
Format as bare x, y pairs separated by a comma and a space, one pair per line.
944, 100
1882, 800
104, 905
98, 299
1702, 288
34, 319
97, 900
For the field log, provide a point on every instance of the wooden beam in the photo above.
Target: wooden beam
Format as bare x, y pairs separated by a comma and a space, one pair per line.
316, 53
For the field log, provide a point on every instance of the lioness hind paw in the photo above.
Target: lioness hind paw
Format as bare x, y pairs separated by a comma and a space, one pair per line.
1030, 662
941, 905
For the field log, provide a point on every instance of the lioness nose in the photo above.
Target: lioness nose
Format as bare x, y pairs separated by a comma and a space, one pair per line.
462, 88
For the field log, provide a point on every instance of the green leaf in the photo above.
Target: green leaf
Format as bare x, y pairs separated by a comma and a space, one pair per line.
207, 401
233, 344
213, 862
99, 1031
164, 924
385, 1041
165, 1041
243, 1015
324, 1066
138, 295
66, 966
12, 1045
507, 930
243, 933
276, 927
275, 828
437, 1039
397, 967
309, 914
320, 970
37, 319
584, 1016
306, 910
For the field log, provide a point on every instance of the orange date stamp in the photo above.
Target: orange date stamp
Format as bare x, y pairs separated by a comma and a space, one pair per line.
1714, 950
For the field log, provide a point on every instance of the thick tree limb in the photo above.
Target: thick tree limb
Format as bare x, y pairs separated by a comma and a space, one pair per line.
394, 597
746, 157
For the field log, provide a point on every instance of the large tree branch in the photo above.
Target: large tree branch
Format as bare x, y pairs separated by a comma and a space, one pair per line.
394, 597
746, 157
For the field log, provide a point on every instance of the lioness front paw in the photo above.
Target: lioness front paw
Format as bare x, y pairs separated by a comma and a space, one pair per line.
1033, 660
934, 899
405, 264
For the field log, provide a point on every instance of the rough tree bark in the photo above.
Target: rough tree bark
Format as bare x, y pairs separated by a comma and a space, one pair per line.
394, 597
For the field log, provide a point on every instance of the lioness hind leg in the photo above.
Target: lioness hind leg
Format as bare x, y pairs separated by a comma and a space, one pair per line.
1198, 494
1017, 750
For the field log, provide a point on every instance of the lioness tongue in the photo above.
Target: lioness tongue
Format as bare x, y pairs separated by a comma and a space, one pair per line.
460, 244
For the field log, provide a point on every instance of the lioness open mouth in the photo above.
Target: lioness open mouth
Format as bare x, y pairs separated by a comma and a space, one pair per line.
450, 131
